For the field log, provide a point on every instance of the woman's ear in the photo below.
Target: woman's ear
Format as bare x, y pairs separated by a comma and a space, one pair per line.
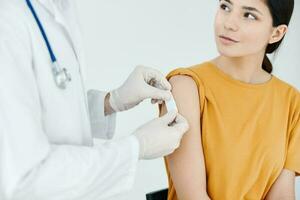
278, 33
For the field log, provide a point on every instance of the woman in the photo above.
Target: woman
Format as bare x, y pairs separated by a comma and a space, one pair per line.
244, 135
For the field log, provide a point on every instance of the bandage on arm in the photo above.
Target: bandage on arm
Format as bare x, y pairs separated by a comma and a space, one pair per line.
171, 105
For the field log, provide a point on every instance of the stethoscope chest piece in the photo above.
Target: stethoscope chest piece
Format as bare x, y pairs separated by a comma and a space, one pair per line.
61, 76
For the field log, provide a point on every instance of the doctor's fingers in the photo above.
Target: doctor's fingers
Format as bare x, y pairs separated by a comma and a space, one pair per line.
180, 124
155, 78
154, 101
157, 94
169, 117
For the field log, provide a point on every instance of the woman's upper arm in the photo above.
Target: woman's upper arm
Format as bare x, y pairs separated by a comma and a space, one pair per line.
186, 164
284, 187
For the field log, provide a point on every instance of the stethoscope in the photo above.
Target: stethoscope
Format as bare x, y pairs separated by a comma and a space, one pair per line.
60, 75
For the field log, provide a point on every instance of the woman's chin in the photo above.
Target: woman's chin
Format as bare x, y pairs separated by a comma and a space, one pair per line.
229, 52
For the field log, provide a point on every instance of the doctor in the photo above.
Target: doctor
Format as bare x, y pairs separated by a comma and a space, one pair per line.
47, 122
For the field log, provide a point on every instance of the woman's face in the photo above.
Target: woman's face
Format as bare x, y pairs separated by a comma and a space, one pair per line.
242, 27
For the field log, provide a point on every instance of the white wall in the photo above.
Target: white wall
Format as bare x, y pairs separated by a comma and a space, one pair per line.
119, 34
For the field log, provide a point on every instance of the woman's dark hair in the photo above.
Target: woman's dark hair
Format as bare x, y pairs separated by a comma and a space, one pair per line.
281, 11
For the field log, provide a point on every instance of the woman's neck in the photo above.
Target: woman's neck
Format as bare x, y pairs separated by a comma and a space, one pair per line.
247, 69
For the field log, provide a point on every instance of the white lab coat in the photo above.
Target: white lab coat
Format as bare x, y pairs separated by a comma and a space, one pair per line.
46, 146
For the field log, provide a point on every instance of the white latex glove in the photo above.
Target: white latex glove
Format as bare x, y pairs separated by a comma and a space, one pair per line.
161, 136
143, 83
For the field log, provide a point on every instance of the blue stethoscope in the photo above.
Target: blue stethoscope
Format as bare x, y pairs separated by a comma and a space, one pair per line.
61, 75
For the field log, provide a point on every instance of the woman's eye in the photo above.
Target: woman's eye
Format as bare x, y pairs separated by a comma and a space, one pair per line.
224, 7
250, 16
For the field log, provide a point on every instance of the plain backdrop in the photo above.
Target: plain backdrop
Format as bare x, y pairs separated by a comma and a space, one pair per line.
164, 34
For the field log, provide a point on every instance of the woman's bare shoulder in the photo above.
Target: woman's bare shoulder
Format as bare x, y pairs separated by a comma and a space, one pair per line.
182, 82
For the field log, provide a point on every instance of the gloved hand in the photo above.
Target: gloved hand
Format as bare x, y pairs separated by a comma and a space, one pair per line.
161, 136
143, 83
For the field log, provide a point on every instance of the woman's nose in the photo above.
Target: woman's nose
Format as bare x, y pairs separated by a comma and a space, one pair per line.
231, 23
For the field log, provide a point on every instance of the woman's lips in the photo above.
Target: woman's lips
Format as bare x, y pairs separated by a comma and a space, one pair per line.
227, 40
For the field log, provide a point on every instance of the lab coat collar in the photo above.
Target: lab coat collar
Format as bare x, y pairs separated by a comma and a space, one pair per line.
64, 13
60, 11
48, 4
66, 17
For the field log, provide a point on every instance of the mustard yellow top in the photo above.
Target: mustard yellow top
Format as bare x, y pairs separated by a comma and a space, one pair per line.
250, 132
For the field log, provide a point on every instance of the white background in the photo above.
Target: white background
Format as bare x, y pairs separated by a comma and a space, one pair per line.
165, 34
